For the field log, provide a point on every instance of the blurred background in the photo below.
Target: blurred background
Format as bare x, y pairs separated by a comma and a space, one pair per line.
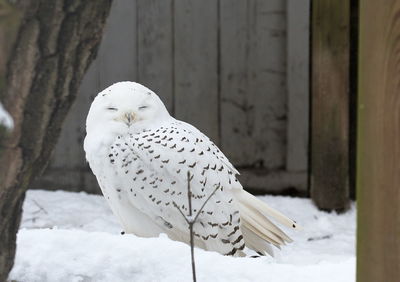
238, 70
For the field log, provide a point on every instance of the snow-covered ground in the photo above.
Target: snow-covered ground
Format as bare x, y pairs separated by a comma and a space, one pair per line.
74, 237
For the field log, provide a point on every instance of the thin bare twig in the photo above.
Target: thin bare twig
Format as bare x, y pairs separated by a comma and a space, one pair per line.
191, 228
192, 220
41, 209
181, 212
206, 201
39, 206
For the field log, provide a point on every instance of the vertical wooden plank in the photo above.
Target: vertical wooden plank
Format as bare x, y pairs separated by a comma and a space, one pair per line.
330, 108
235, 97
196, 64
88, 90
155, 53
378, 153
117, 54
253, 82
298, 30
69, 154
269, 74
68, 168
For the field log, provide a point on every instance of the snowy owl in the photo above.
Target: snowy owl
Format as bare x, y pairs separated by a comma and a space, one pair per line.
142, 157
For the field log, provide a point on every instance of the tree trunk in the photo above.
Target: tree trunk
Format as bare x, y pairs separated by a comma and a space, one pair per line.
49, 46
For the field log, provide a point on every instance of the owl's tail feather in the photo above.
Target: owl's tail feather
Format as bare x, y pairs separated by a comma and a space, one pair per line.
258, 230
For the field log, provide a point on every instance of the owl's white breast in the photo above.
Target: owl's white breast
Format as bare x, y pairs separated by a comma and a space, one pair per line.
111, 183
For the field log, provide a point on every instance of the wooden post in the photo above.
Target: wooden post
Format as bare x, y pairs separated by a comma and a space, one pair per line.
378, 161
329, 182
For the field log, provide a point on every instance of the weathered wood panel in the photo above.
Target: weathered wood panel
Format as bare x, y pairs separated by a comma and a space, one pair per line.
330, 105
68, 168
298, 30
274, 182
68, 155
253, 73
236, 103
220, 65
378, 154
118, 54
155, 48
196, 64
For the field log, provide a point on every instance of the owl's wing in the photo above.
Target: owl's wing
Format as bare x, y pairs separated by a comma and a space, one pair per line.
154, 165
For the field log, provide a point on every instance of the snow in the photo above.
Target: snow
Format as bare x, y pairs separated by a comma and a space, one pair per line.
5, 118
68, 236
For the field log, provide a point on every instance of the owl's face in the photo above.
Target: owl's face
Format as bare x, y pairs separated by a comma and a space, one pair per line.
125, 107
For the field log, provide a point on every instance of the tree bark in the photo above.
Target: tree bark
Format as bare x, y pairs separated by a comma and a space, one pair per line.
50, 44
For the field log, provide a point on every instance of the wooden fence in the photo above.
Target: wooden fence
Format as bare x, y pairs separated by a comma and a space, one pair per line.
236, 69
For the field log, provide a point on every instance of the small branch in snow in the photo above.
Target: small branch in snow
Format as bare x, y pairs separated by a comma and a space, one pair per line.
191, 220
319, 238
41, 209
39, 206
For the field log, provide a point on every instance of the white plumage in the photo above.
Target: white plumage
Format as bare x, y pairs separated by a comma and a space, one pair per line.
141, 156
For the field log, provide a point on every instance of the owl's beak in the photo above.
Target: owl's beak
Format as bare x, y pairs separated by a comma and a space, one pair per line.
128, 118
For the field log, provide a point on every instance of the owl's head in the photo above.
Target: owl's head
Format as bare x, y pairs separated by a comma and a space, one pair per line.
125, 107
